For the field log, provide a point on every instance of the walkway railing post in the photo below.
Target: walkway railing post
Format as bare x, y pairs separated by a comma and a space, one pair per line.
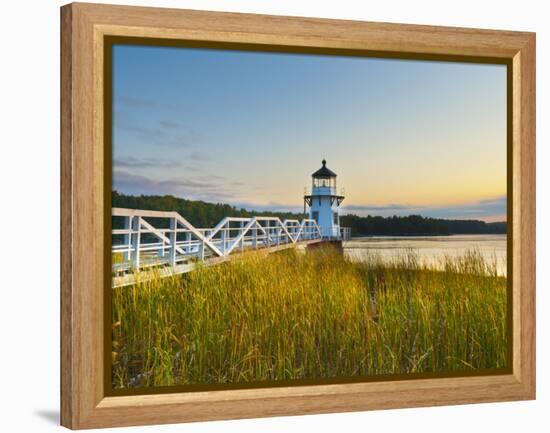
241, 232
173, 240
201, 245
188, 242
255, 238
126, 239
267, 236
162, 251
224, 234
136, 240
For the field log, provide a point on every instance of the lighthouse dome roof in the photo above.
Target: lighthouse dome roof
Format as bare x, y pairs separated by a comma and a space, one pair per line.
324, 171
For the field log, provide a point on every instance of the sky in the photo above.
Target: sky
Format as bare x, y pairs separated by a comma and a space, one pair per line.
246, 128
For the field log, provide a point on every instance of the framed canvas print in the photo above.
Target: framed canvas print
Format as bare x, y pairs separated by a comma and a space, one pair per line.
272, 216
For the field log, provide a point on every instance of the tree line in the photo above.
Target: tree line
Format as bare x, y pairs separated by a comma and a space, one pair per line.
199, 213
203, 214
417, 225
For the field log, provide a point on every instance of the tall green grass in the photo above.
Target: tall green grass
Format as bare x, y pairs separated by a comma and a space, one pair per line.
314, 315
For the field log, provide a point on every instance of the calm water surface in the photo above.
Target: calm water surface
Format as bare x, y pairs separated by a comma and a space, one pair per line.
430, 249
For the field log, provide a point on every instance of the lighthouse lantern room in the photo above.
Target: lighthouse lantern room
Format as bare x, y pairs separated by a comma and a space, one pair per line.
324, 202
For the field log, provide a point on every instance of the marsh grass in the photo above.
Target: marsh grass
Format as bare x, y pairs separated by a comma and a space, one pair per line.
315, 315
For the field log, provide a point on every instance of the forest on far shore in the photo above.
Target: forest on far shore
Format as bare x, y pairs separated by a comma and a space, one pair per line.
202, 214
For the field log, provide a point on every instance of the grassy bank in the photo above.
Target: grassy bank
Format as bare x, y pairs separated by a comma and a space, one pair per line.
315, 315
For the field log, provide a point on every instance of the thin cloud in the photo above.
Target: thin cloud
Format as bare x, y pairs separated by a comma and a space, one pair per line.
378, 207
132, 101
474, 210
141, 131
156, 136
193, 188
164, 133
133, 162
169, 124
199, 156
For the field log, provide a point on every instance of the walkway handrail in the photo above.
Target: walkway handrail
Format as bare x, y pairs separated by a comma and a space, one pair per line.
142, 242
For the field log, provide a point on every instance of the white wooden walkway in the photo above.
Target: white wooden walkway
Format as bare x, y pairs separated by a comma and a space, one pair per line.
169, 244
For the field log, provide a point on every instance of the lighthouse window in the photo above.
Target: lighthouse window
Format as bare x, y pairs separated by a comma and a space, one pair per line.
324, 182
336, 218
315, 216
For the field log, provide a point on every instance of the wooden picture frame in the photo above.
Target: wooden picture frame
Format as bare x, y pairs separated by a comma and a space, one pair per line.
84, 403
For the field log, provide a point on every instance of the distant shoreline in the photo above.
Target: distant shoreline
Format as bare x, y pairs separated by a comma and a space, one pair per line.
411, 235
204, 214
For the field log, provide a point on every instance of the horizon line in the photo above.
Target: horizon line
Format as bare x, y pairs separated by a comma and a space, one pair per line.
276, 208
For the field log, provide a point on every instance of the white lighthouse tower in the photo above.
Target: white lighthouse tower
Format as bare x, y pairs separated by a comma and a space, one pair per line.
324, 202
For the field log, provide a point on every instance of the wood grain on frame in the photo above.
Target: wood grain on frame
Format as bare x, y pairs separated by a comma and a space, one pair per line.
84, 26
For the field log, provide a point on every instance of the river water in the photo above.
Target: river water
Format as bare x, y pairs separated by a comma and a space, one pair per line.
430, 250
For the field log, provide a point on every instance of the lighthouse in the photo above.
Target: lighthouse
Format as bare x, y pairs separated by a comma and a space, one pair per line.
324, 202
